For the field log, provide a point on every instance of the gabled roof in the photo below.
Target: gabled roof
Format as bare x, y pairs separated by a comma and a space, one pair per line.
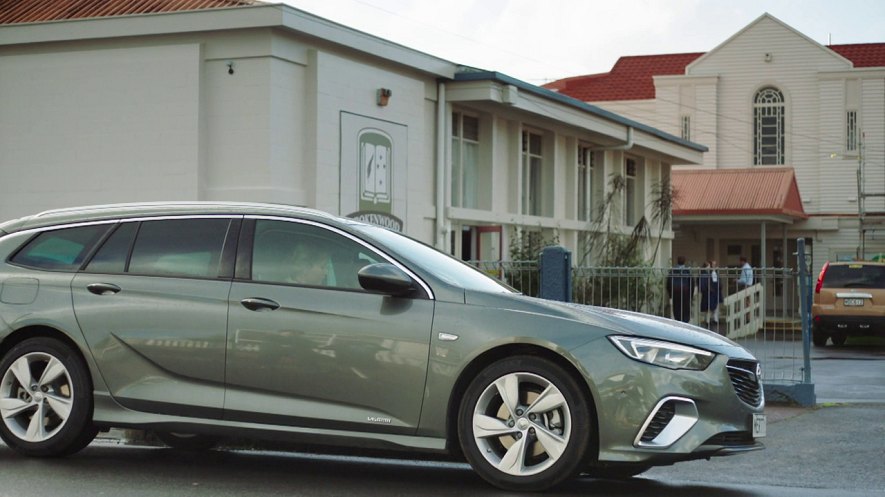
752, 193
27, 11
632, 77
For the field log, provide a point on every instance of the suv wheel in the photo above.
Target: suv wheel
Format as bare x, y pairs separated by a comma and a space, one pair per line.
819, 338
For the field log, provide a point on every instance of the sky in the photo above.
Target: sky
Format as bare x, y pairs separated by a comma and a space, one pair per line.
539, 41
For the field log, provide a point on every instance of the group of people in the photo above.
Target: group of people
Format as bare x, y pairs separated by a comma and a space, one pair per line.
681, 286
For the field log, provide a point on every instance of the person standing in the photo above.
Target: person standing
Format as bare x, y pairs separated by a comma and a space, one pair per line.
680, 286
710, 293
746, 279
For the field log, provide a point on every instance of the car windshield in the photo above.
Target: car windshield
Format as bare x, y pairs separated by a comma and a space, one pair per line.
855, 276
442, 266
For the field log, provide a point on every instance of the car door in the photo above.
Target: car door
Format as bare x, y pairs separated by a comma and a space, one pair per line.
307, 346
152, 304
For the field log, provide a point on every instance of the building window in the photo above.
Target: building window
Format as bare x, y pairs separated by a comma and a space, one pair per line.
851, 134
586, 164
465, 160
531, 173
768, 127
686, 127
630, 192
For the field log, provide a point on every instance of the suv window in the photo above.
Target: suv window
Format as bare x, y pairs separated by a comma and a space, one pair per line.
303, 254
176, 247
854, 276
112, 256
62, 249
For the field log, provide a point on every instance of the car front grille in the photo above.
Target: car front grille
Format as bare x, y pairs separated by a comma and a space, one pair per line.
746, 383
659, 421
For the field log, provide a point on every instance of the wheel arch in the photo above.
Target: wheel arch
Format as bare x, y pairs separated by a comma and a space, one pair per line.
33, 331
489, 357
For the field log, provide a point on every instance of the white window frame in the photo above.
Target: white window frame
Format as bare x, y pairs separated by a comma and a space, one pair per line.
769, 127
630, 182
465, 191
532, 191
586, 166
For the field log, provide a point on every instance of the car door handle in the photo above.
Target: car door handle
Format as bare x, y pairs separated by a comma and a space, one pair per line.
103, 288
258, 304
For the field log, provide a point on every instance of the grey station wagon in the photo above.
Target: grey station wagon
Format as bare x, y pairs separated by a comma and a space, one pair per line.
205, 320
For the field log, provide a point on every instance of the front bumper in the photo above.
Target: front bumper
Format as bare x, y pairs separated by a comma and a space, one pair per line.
656, 416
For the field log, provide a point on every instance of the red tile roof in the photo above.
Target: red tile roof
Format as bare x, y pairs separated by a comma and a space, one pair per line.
862, 54
629, 79
27, 11
632, 77
755, 191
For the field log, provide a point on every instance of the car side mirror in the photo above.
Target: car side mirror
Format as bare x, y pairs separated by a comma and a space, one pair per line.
387, 279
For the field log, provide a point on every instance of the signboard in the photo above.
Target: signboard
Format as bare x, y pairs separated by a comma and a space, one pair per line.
374, 156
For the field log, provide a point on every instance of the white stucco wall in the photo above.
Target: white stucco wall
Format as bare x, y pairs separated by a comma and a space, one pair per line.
97, 126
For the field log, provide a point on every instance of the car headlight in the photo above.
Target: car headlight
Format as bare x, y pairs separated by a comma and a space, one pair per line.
664, 354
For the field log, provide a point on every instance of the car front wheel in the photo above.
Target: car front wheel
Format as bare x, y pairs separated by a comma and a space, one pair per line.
45, 399
525, 424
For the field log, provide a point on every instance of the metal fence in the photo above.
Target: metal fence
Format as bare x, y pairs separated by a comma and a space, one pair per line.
765, 318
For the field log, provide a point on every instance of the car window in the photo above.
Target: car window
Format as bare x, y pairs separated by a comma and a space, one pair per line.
179, 247
854, 276
303, 254
442, 266
111, 257
61, 249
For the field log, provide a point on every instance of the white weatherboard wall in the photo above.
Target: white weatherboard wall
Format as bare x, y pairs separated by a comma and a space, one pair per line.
74, 131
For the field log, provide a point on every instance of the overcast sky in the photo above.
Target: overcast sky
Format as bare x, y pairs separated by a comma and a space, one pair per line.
541, 40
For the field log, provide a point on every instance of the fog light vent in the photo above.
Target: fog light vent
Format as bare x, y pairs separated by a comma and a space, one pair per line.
671, 418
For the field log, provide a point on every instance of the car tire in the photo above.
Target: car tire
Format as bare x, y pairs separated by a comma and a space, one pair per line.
187, 441
839, 339
47, 378
525, 424
819, 338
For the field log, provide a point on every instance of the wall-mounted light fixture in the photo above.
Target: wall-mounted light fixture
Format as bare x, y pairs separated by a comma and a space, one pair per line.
383, 96
230, 67
768, 56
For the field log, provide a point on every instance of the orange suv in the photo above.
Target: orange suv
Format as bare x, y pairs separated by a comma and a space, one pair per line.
849, 299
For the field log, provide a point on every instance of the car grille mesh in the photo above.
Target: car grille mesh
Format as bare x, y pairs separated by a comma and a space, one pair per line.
659, 421
746, 384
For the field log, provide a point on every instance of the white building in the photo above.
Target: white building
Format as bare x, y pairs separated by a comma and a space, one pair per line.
766, 97
116, 101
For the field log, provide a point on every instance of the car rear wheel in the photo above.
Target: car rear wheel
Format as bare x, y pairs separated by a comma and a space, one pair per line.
525, 424
819, 338
45, 399
839, 339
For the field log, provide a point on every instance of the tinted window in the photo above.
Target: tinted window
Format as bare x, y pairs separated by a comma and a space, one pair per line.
111, 257
179, 247
854, 276
302, 254
62, 249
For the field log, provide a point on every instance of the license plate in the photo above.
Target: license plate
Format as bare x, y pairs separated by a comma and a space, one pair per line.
852, 302
759, 425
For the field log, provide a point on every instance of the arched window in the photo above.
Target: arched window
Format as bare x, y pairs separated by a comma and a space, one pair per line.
768, 127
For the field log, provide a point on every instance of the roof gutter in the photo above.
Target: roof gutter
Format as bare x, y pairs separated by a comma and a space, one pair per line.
626, 146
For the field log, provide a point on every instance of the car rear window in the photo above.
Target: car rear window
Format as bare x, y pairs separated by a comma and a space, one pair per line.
854, 276
61, 249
